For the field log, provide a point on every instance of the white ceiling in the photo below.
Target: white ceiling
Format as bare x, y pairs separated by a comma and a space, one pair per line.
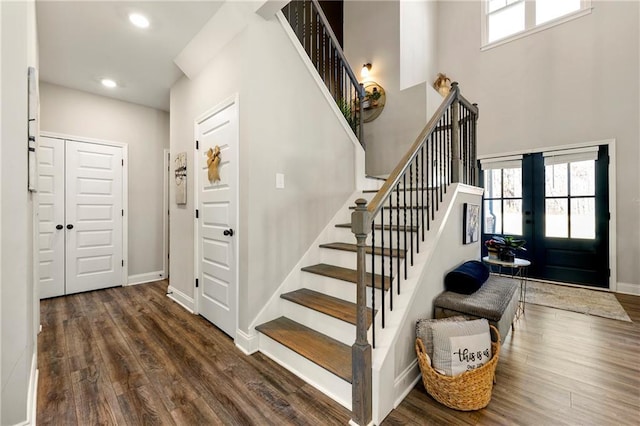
81, 42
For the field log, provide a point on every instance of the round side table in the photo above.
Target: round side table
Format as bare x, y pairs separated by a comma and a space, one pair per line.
519, 269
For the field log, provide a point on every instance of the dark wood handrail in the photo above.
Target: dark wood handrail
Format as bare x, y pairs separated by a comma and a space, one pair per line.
472, 107
338, 48
394, 178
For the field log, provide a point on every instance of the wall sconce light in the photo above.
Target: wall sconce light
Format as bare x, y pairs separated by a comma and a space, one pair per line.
364, 73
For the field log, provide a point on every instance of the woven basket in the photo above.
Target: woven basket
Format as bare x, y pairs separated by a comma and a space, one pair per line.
467, 391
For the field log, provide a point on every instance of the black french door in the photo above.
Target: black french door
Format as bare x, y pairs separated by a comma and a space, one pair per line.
561, 210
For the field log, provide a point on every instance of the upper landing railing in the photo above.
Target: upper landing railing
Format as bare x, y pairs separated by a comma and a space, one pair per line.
310, 25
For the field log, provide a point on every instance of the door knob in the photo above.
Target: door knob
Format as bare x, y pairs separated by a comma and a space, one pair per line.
59, 226
228, 232
69, 226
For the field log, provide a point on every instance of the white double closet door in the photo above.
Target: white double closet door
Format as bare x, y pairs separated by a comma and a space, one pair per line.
80, 216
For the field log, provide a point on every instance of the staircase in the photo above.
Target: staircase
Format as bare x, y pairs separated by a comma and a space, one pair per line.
318, 321
332, 322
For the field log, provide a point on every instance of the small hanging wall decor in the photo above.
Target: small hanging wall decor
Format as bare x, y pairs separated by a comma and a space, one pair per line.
471, 221
181, 178
213, 161
32, 117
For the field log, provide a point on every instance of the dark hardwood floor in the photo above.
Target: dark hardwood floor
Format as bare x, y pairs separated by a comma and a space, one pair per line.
558, 368
130, 356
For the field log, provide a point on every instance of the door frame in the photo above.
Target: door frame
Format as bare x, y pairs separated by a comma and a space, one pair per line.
125, 189
165, 215
196, 200
611, 144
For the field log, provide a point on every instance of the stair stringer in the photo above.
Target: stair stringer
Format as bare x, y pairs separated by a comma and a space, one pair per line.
394, 363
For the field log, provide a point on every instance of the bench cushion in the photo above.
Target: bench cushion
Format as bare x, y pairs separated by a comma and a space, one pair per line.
497, 301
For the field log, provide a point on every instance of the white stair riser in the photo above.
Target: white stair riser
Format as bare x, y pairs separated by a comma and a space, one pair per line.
333, 287
332, 327
411, 197
347, 259
411, 217
346, 236
328, 383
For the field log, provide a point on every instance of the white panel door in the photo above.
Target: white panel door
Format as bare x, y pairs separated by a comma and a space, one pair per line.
217, 205
51, 232
93, 216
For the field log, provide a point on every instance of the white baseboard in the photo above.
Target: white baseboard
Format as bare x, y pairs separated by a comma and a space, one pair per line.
352, 423
628, 288
181, 299
145, 278
32, 395
247, 343
406, 381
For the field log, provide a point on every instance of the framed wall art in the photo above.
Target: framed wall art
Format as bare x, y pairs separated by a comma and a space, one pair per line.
471, 218
181, 178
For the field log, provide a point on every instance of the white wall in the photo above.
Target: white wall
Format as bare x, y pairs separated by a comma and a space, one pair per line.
286, 126
418, 46
373, 33
146, 132
18, 340
576, 82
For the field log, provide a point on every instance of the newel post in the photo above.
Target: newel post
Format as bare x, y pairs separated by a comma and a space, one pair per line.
361, 349
456, 157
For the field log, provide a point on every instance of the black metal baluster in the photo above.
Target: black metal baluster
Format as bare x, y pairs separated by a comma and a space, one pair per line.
398, 235
415, 210
427, 175
306, 30
446, 156
411, 191
432, 167
404, 202
437, 172
441, 171
467, 147
373, 281
422, 190
390, 252
382, 285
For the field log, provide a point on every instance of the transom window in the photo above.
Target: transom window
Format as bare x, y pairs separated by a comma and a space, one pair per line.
506, 18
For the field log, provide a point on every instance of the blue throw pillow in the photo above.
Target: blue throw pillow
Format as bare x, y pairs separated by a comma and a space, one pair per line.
467, 278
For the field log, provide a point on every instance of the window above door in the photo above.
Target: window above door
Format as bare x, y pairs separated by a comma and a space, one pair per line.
506, 20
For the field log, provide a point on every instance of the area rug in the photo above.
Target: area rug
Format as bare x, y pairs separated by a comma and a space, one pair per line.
591, 302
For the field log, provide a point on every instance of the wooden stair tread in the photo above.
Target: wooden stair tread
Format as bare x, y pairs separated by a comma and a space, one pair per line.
353, 248
372, 191
402, 228
346, 274
328, 353
426, 207
328, 305
376, 177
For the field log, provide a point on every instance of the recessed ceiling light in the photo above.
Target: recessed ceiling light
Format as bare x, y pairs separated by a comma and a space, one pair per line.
138, 20
106, 82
